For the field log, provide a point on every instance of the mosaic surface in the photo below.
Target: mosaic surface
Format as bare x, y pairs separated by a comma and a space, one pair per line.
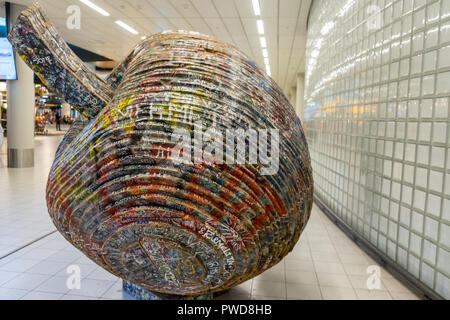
161, 209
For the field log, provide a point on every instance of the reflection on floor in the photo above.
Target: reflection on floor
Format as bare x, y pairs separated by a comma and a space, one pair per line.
325, 264
23, 210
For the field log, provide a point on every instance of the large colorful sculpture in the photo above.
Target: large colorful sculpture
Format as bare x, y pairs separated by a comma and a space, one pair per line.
189, 172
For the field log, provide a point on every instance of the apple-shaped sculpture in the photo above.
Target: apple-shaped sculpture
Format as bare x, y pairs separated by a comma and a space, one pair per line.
188, 173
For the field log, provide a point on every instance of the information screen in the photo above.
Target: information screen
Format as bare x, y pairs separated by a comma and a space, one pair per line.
7, 62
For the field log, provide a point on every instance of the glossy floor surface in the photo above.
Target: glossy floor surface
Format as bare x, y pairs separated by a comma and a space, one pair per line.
325, 264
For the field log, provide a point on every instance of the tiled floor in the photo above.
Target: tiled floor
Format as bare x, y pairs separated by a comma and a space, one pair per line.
325, 264
23, 213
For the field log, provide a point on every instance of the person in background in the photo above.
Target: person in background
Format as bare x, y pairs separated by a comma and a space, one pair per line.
1, 134
58, 121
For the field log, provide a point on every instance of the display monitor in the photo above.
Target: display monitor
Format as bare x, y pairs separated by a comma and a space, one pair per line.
7, 61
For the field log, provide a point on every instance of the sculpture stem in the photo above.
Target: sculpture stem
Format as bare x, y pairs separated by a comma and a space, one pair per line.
37, 42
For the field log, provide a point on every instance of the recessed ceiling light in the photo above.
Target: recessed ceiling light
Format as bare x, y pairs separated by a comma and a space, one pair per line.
260, 26
263, 42
95, 7
256, 7
126, 27
265, 53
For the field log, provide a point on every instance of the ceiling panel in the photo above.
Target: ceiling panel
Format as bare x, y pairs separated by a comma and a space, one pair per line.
199, 25
269, 8
306, 4
164, 7
244, 8
218, 27
289, 8
163, 24
126, 9
206, 7
185, 8
229, 20
149, 26
180, 24
226, 9
146, 8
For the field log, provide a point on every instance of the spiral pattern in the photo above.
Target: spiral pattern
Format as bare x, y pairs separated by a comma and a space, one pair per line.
119, 192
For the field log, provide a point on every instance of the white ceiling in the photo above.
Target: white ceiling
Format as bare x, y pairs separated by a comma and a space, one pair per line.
232, 21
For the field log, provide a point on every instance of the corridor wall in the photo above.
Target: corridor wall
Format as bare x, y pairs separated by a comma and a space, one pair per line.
377, 121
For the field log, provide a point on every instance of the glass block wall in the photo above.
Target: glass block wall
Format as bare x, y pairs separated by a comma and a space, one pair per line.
377, 122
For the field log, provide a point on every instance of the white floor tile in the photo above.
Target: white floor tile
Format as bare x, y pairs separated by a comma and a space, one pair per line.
116, 293
40, 254
26, 281
85, 269
244, 289
101, 274
54, 285
92, 288
11, 294
357, 258
301, 277
329, 267
334, 280
298, 255
355, 269
266, 298
372, 294
360, 282
299, 265
232, 296
64, 256
335, 293
269, 289
6, 276
75, 297
303, 292
271, 275
403, 295
36, 295
47, 267
19, 265
325, 257
393, 285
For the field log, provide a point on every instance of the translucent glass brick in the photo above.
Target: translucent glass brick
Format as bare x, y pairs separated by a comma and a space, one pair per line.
389, 133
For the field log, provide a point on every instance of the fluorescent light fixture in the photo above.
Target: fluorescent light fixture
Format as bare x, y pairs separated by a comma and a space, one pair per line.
256, 7
126, 27
95, 7
268, 70
265, 53
266, 61
263, 42
260, 26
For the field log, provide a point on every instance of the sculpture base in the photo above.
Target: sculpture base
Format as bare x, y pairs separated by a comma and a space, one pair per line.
144, 294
